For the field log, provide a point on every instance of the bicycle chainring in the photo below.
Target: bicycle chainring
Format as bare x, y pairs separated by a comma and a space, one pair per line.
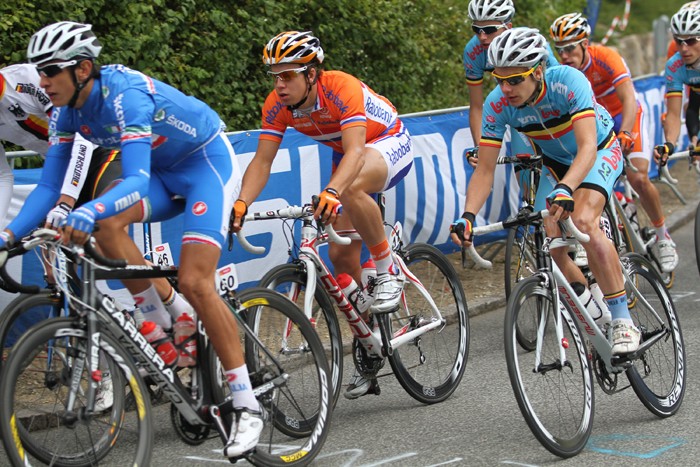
606, 381
194, 435
367, 365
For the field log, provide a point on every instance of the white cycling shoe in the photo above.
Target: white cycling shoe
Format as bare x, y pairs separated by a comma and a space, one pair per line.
245, 433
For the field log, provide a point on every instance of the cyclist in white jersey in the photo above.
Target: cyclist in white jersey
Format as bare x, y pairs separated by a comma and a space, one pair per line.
24, 120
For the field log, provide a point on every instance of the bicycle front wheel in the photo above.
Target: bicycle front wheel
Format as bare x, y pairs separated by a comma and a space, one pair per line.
658, 377
553, 385
521, 262
292, 384
42, 421
430, 367
290, 280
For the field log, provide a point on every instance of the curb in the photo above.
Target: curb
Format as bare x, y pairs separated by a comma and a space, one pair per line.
674, 221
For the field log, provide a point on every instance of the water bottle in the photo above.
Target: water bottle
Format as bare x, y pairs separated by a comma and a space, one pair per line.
599, 298
183, 329
155, 335
368, 277
592, 305
630, 209
353, 292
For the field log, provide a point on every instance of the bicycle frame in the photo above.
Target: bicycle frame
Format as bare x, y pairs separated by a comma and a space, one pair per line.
308, 255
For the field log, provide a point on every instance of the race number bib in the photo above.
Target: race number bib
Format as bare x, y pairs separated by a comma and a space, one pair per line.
162, 256
226, 279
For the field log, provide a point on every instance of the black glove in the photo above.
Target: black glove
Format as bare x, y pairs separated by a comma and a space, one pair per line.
464, 226
561, 195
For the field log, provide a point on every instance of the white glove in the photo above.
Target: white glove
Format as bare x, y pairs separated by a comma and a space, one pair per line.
58, 215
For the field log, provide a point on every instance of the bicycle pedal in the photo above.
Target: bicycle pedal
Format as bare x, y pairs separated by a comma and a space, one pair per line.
374, 388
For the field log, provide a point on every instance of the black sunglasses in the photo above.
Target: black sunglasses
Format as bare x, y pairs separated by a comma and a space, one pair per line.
52, 70
488, 30
691, 41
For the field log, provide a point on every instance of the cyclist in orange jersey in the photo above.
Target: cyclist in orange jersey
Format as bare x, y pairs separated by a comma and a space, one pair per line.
372, 151
613, 88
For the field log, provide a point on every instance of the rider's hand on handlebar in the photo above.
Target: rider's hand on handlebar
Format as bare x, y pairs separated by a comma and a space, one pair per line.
472, 155
56, 217
240, 209
462, 229
560, 202
626, 141
662, 151
327, 206
5, 239
78, 226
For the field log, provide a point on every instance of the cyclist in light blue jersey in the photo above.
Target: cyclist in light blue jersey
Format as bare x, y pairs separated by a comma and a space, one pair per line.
683, 68
175, 159
489, 18
556, 110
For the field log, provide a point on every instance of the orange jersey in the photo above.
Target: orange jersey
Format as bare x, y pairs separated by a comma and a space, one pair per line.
606, 70
343, 101
672, 49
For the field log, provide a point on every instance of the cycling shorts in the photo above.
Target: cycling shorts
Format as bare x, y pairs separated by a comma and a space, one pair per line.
105, 168
640, 132
397, 151
602, 177
203, 186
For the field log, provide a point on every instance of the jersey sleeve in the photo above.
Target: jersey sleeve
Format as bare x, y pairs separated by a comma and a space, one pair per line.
616, 67
579, 96
494, 119
133, 111
349, 102
274, 123
674, 80
473, 71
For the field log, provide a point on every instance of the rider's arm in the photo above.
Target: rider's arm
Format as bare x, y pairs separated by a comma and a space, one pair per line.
481, 182
672, 124
258, 171
81, 155
625, 92
587, 151
476, 107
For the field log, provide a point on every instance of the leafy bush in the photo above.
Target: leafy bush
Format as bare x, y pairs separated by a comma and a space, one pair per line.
409, 50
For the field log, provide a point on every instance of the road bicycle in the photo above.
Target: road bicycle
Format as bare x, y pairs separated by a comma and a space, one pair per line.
48, 384
553, 384
426, 341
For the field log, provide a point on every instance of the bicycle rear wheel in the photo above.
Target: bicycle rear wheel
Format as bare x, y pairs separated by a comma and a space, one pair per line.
555, 397
34, 398
290, 281
292, 384
430, 366
658, 377
520, 262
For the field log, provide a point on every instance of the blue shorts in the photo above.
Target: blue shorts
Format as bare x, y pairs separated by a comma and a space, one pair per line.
203, 186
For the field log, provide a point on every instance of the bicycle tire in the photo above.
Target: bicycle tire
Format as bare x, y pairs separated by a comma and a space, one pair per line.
298, 411
520, 262
23, 309
47, 435
659, 376
431, 366
534, 389
290, 280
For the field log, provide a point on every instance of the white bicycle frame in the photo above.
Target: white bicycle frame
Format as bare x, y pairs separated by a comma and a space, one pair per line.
587, 324
311, 239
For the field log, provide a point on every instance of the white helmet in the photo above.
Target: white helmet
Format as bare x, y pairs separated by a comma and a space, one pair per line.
518, 47
63, 41
686, 22
491, 10
693, 4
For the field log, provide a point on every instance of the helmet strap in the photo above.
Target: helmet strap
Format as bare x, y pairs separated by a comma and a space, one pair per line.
531, 99
78, 86
306, 96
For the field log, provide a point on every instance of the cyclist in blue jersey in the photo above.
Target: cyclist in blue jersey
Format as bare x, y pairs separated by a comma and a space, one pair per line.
683, 68
175, 159
489, 18
555, 108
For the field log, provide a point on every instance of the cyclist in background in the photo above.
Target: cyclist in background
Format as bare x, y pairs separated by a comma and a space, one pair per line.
614, 90
372, 152
490, 18
172, 145
582, 159
683, 68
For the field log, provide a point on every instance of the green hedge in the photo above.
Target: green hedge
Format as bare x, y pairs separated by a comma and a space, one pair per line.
409, 51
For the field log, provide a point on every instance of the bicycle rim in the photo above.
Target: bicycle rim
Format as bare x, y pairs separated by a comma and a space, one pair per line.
555, 400
297, 406
430, 366
290, 281
658, 377
34, 394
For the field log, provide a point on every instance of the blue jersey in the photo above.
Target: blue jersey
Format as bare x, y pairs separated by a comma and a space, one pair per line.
475, 61
152, 123
677, 74
565, 97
